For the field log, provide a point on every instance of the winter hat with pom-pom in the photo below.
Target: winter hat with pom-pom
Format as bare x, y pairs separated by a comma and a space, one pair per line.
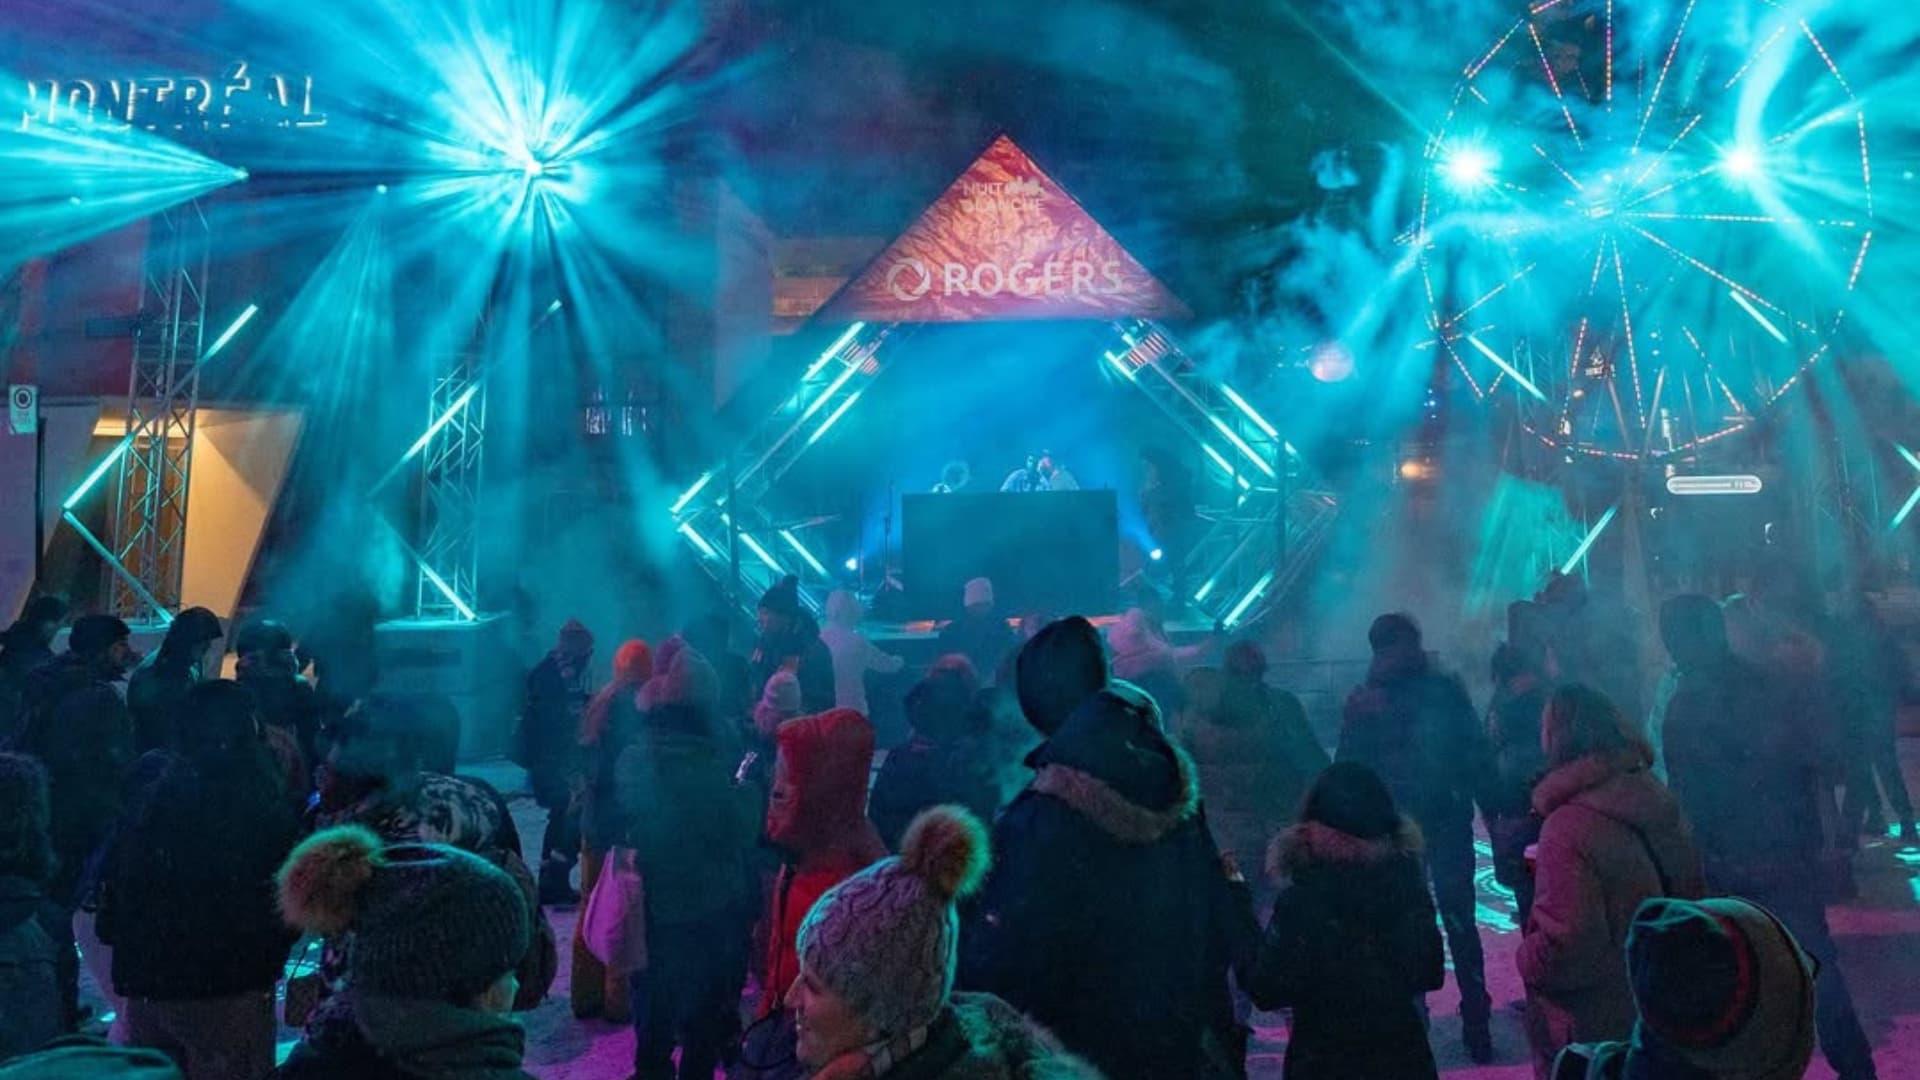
428, 921
886, 939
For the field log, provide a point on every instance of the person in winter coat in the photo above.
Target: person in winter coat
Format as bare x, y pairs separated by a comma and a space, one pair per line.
945, 761
1869, 673
693, 831
609, 726
979, 633
37, 960
1417, 729
712, 636
25, 645
790, 641
875, 994
373, 778
853, 654
1103, 917
159, 686
76, 724
1352, 944
1513, 732
1730, 732
1144, 657
558, 689
187, 894
1612, 836
437, 933
817, 818
1724, 993
289, 708
1253, 748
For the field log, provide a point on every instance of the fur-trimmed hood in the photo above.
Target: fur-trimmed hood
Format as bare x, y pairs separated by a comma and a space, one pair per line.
1311, 843
1111, 764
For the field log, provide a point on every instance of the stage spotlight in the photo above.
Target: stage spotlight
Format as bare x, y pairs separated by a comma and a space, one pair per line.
1156, 554
1741, 162
853, 566
1468, 169
1331, 363
379, 189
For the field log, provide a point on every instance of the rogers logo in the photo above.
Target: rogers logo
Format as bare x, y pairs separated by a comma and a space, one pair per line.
914, 288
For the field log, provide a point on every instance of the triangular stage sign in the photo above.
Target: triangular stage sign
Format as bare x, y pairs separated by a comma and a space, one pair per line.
1005, 241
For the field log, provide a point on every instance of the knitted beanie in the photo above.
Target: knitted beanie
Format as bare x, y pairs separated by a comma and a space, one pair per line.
886, 939
428, 921
633, 662
783, 598
1723, 986
780, 701
687, 679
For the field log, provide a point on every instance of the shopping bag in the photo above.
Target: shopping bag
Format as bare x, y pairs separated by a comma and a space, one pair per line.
613, 924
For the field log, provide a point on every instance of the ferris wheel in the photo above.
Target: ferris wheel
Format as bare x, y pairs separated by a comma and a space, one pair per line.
1640, 222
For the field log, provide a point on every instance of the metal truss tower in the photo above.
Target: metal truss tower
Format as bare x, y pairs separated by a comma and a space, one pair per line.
150, 506
447, 585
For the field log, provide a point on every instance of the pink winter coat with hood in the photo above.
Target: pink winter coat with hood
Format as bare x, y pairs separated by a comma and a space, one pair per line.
1613, 837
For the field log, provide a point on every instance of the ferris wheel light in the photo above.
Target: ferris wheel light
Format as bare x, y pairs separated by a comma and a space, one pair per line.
1468, 168
1741, 162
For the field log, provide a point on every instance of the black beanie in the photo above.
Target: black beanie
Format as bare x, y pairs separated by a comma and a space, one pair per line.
1064, 665
783, 598
94, 634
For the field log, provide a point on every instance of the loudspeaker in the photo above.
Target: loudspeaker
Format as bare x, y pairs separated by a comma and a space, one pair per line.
23, 409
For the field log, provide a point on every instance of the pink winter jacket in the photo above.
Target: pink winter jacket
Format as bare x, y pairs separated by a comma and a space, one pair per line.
1613, 837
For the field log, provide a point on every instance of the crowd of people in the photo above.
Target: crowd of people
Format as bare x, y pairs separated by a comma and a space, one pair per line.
1093, 856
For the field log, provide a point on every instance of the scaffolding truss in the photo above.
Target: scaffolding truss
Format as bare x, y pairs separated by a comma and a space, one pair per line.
724, 512
149, 528
1248, 558
451, 453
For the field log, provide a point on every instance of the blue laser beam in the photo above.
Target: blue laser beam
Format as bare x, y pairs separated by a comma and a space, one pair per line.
232, 330
444, 419
688, 496
805, 555
1593, 534
698, 541
833, 418
446, 590
1248, 410
833, 350
1239, 609
1765, 323
1501, 362
100, 470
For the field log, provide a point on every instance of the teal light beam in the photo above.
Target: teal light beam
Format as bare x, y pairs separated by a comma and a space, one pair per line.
1501, 362
1593, 534
231, 331
100, 470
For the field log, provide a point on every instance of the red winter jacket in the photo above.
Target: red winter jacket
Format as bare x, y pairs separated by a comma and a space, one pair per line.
818, 816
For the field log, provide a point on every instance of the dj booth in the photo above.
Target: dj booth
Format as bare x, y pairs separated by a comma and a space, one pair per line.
1046, 551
